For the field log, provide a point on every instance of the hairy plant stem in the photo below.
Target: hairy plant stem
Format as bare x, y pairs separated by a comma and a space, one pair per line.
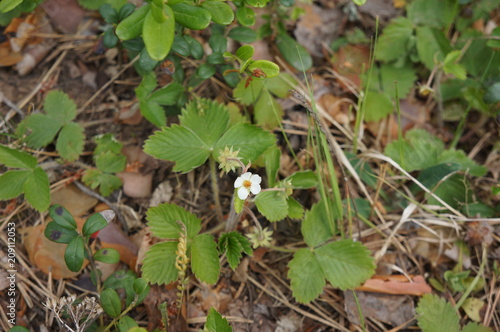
215, 188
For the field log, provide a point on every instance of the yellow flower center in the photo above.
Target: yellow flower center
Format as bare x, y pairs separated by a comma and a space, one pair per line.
247, 184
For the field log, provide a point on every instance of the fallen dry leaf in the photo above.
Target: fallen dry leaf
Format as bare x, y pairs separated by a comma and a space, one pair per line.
397, 284
391, 309
73, 200
112, 236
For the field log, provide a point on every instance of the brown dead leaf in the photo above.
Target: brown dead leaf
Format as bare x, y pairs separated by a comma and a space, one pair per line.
65, 15
112, 236
318, 27
397, 284
137, 177
337, 107
74, 200
350, 61
391, 309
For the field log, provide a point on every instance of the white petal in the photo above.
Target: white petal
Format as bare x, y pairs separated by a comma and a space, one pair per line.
255, 188
246, 176
239, 182
255, 179
243, 193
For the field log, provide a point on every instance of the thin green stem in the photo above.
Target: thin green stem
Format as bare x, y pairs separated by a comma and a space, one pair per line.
475, 281
116, 319
215, 188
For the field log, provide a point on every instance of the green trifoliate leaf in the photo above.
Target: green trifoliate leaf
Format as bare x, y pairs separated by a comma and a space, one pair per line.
131, 27
110, 162
267, 111
60, 106
272, 205
346, 264
306, 277
159, 263
250, 140
317, 227
436, 315
74, 254
163, 219
153, 112
43, 130
180, 145
62, 217
303, 179
474, 327
168, 95
192, 17
418, 151
233, 244
295, 210
451, 65
280, 85
16, 158
248, 95
392, 44
107, 183
159, 36
107, 143
404, 76
220, 11
36, 189
432, 46
205, 258
466, 164
56, 233
432, 13
216, 323
377, 105
107, 255
207, 118
70, 141
455, 191
11, 184
110, 302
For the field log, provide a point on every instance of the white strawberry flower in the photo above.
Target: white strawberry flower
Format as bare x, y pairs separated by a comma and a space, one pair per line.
247, 183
